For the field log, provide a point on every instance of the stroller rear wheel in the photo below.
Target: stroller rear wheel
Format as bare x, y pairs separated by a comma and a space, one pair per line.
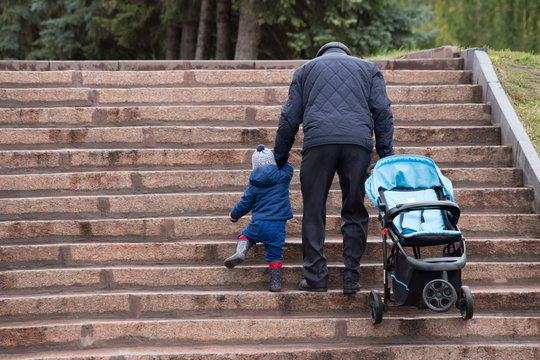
376, 307
439, 295
465, 303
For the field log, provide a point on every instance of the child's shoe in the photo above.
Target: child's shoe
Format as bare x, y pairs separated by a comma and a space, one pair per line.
242, 248
275, 276
275, 280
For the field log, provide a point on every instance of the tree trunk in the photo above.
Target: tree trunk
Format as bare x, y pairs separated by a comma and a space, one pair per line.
189, 31
249, 31
205, 26
223, 42
524, 29
173, 41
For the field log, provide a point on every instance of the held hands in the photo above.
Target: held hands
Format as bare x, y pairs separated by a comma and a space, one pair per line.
281, 160
233, 220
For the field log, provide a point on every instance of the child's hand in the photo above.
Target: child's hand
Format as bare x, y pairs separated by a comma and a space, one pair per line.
233, 220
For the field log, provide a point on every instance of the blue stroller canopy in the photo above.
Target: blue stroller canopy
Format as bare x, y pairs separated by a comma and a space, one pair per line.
412, 172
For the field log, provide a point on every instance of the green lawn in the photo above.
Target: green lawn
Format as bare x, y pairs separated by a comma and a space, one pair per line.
391, 54
519, 74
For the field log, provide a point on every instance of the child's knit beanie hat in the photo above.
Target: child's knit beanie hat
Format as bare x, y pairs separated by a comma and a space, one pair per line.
262, 156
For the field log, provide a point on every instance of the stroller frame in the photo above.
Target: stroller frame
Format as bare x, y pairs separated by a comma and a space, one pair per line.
440, 277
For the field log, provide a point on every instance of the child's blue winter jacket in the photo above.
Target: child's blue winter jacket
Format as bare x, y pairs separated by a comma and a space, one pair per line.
267, 195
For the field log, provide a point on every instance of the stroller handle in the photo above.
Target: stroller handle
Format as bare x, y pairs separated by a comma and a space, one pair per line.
437, 205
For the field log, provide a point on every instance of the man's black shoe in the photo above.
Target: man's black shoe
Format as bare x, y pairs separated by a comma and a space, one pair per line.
350, 287
304, 286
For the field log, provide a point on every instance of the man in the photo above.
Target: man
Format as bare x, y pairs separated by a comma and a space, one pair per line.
340, 100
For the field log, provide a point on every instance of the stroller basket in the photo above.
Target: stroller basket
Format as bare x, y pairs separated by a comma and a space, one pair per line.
408, 283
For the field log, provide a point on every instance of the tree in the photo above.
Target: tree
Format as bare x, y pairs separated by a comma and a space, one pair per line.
173, 42
149, 29
172, 13
137, 28
189, 30
34, 29
19, 27
366, 26
223, 16
499, 24
205, 30
249, 31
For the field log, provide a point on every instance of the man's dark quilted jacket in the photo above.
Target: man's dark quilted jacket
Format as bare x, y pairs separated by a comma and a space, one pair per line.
336, 96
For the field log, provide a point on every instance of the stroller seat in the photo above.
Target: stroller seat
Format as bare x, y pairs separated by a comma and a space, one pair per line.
420, 227
416, 199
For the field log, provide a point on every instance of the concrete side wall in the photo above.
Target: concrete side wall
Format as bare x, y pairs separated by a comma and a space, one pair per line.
524, 155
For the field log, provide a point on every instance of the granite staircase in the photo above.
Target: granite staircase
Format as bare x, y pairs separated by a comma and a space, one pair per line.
116, 179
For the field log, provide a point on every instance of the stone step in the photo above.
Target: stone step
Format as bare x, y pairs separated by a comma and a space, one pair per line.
239, 115
190, 136
148, 281
171, 159
214, 252
207, 78
198, 277
128, 182
461, 349
23, 98
294, 329
188, 303
160, 65
507, 200
196, 227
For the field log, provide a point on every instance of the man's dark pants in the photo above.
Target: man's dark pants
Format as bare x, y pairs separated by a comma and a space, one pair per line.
319, 164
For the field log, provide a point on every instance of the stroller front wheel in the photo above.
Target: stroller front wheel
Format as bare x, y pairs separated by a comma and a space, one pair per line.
465, 303
439, 295
376, 307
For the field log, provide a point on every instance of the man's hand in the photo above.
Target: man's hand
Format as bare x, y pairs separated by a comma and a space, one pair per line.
280, 161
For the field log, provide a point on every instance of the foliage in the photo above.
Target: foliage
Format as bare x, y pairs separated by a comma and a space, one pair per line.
19, 26
64, 37
366, 26
81, 29
498, 24
172, 11
136, 29
519, 74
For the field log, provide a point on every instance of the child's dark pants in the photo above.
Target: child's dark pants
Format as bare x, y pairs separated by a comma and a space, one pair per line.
271, 234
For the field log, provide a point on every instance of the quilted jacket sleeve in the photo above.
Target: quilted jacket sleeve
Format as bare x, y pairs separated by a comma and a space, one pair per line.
383, 119
289, 121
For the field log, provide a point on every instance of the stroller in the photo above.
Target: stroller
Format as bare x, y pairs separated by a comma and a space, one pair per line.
416, 210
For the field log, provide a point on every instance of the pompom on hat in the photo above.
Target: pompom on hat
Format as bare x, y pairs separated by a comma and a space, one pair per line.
262, 156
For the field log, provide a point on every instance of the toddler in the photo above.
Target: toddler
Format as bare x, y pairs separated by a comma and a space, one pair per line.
267, 196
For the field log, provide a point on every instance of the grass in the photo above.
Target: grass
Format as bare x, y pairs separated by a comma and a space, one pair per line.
388, 54
519, 74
